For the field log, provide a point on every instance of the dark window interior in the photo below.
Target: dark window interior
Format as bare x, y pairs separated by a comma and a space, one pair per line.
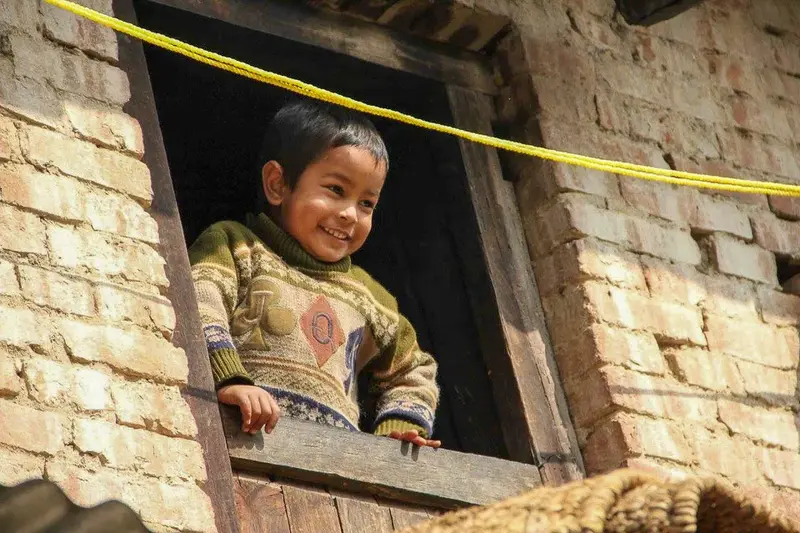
425, 234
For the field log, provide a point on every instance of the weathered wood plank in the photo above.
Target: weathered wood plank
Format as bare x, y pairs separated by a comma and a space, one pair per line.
360, 462
310, 510
403, 517
359, 514
352, 37
527, 387
199, 392
260, 505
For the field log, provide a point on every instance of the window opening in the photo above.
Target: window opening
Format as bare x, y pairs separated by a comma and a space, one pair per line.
424, 231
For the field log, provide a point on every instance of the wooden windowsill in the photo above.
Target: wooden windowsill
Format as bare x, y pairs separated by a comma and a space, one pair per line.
360, 462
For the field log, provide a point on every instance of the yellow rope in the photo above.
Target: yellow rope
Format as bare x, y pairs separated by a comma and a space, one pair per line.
616, 167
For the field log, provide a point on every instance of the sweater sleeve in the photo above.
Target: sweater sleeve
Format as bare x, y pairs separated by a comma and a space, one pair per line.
216, 286
402, 374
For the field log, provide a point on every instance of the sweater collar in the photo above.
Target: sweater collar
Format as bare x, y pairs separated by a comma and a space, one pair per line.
288, 248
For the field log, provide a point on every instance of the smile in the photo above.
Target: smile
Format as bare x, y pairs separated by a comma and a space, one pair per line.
336, 233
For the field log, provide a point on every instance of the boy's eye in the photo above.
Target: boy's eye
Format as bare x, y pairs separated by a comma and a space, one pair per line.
337, 189
369, 204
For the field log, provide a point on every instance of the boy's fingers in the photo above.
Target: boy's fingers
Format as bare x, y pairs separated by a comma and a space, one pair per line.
247, 412
434, 443
275, 416
266, 412
256, 416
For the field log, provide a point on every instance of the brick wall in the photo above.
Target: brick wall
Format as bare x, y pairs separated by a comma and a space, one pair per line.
676, 344
89, 381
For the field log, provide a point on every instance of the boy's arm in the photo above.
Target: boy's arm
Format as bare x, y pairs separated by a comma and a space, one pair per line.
404, 375
216, 285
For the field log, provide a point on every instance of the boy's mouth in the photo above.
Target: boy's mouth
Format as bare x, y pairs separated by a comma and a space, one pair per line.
336, 233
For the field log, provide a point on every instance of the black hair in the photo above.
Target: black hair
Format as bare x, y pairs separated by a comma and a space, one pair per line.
301, 131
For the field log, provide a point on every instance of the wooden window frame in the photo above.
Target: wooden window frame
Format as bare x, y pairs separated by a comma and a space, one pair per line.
534, 417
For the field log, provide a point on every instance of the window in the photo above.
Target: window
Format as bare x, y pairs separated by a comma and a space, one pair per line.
456, 261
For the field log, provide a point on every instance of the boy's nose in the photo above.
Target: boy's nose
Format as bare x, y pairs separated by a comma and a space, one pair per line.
349, 214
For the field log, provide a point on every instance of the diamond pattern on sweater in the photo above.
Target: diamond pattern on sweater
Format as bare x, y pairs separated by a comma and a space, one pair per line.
321, 328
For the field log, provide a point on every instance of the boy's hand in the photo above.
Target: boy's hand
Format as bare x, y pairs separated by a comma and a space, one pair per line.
414, 437
259, 409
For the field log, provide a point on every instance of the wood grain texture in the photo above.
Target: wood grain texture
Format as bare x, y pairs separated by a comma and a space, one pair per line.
360, 462
403, 517
199, 392
260, 505
352, 37
527, 387
359, 514
310, 510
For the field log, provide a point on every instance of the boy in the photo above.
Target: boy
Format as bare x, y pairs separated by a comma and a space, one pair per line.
288, 321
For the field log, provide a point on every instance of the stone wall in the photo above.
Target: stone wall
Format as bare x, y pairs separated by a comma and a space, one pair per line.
675, 342
89, 381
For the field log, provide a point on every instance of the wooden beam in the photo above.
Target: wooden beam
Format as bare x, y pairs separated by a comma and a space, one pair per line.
199, 392
360, 462
360, 39
525, 377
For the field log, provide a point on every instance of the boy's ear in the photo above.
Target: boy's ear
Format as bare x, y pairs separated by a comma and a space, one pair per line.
273, 182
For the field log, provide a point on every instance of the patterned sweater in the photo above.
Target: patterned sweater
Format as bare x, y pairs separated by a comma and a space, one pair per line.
276, 317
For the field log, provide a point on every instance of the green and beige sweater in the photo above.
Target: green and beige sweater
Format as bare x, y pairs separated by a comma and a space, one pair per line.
303, 330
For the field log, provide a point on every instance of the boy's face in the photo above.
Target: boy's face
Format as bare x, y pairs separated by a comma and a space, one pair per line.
329, 211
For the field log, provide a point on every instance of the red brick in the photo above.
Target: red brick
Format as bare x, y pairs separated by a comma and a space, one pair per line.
786, 53
671, 323
64, 27
9, 285
781, 467
55, 384
776, 235
693, 27
729, 297
30, 429
752, 341
780, 15
733, 31
599, 33
21, 327
107, 255
721, 454
85, 161
9, 140
118, 214
49, 289
779, 308
737, 73
22, 15
610, 388
137, 449
10, 382
745, 260
589, 258
56, 196
19, 466
758, 115
768, 425
666, 201
544, 180
758, 152
718, 215
554, 98
601, 344
35, 101
674, 282
705, 369
623, 436
635, 233
666, 471
74, 73
120, 304
140, 404
778, 387
105, 125
21, 231
135, 351
179, 506
670, 56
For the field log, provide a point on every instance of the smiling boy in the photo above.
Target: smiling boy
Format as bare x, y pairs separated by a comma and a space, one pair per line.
289, 322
